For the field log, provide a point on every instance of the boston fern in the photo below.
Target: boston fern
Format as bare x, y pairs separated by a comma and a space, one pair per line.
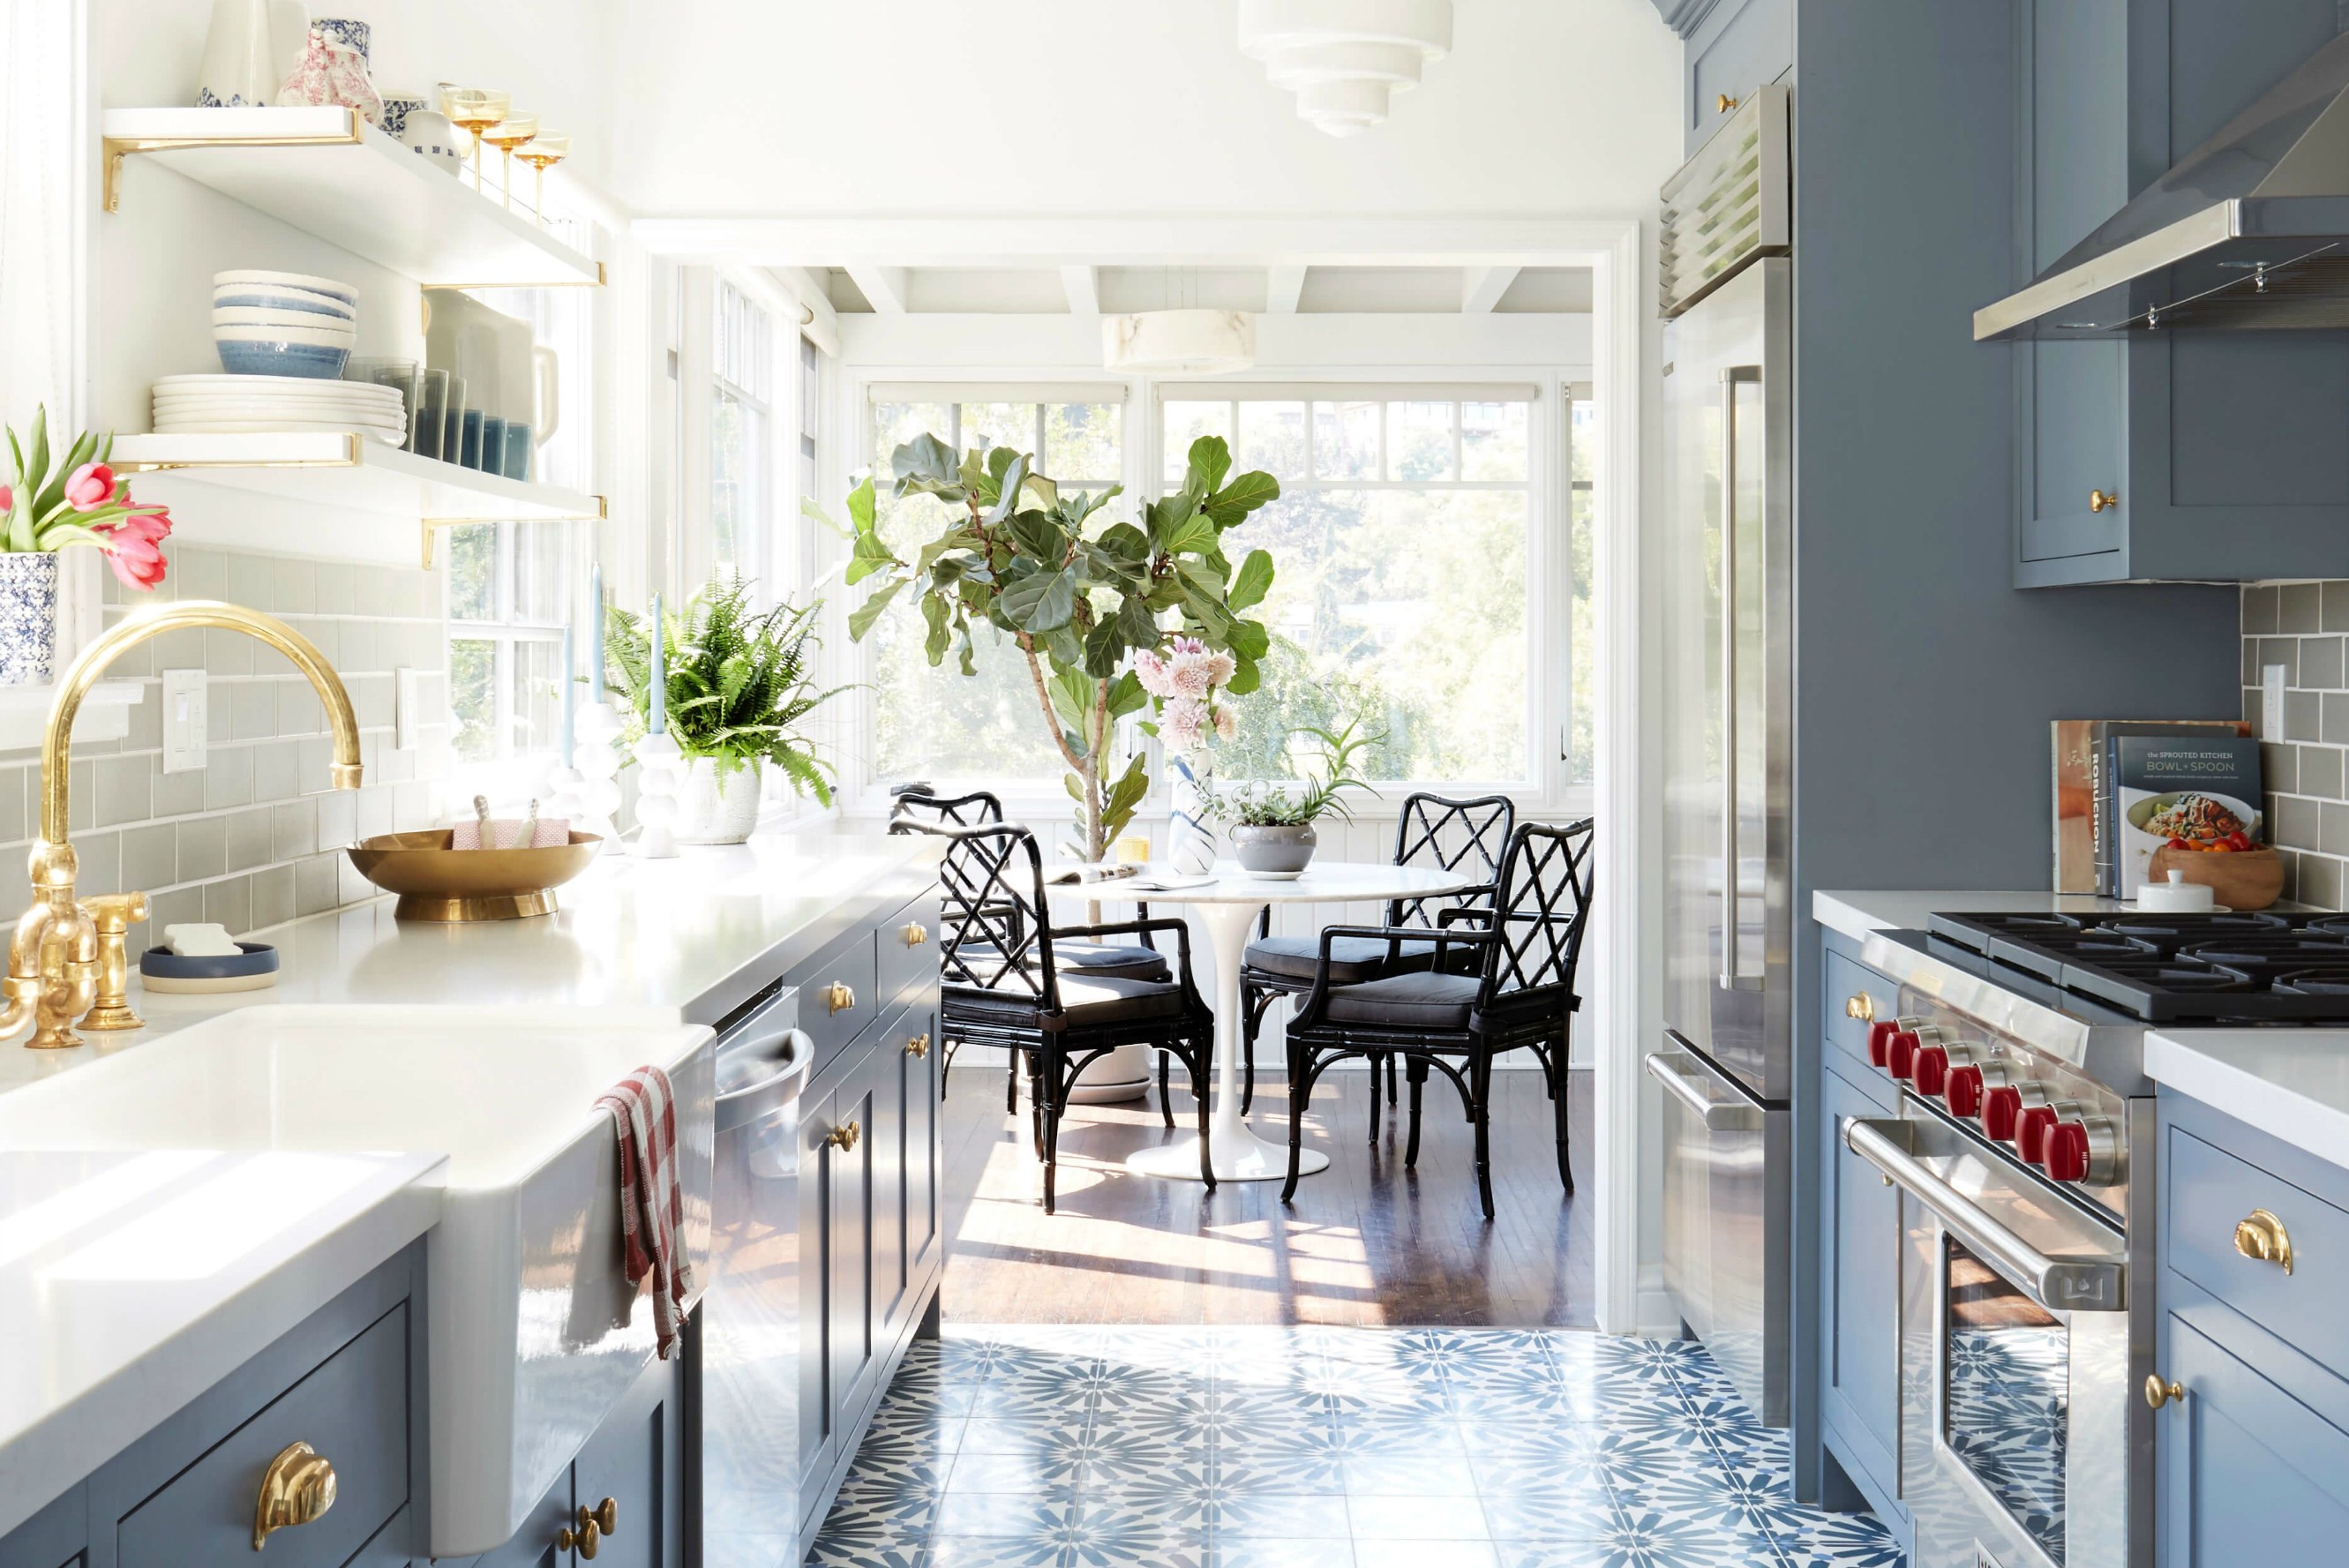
739, 681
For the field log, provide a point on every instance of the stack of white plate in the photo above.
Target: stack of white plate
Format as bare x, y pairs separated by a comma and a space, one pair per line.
283, 323
247, 405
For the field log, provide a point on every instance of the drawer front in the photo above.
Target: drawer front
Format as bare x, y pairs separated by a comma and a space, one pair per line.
907, 956
2209, 1192
1877, 999
838, 999
353, 1410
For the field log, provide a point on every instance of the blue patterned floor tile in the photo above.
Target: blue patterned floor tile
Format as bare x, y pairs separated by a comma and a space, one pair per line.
1000, 1515
1408, 1474
1048, 1471
1839, 1541
903, 1553
1108, 1537
1382, 1518
1020, 1435
1043, 1550
1585, 1512
882, 1515
1265, 1552
1237, 1516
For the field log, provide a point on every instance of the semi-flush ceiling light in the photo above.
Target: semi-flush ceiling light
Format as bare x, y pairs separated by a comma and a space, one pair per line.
1343, 58
1201, 342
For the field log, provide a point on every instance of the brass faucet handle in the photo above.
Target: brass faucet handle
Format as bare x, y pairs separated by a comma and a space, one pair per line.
113, 913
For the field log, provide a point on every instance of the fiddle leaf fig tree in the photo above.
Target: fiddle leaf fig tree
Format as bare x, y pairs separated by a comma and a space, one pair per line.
1019, 555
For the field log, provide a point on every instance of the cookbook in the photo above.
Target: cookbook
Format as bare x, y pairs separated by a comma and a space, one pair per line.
2199, 792
2084, 851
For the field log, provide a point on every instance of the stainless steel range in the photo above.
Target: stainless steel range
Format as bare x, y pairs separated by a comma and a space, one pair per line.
2024, 1157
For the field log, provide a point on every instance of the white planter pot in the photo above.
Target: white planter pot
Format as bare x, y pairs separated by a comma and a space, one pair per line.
28, 617
714, 811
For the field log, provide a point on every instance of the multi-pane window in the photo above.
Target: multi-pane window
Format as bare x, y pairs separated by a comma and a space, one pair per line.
937, 724
741, 396
1582, 661
1403, 544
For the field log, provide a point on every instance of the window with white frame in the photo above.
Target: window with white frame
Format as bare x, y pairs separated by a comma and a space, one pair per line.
1580, 749
1409, 555
511, 586
986, 730
743, 387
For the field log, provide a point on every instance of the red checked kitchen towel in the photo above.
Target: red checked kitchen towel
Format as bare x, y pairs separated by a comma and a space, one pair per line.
652, 1207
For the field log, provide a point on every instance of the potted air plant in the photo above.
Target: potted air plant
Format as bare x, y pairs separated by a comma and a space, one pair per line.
49, 503
1271, 825
1190, 686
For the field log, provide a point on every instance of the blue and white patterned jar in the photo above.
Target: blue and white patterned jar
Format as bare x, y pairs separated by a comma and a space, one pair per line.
1190, 841
397, 107
345, 33
28, 617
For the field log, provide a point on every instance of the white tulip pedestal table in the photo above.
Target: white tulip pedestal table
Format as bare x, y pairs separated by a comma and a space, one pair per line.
1228, 906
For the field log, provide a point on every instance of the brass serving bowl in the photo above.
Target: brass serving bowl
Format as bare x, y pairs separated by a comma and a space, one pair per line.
437, 883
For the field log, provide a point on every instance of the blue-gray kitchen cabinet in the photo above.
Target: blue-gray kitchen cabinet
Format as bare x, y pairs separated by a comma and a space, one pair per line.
1728, 48
2252, 1445
2163, 455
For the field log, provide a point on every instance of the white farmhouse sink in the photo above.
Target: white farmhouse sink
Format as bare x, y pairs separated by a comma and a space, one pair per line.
534, 1330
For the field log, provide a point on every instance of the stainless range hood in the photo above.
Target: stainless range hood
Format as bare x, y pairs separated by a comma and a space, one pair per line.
2250, 230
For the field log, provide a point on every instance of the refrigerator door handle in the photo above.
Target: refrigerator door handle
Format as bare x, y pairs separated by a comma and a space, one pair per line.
1730, 1115
1733, 975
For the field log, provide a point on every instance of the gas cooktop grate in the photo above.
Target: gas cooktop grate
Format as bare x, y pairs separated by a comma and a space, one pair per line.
2174, 968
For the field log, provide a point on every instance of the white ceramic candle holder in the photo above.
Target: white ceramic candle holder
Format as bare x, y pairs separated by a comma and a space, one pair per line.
660, 769
592, 778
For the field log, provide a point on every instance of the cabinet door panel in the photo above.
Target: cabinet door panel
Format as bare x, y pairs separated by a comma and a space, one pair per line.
885, 1071
920, 1092
849, 1320
533, 1545
1862, 1238
2077, 395
819, 1403
2246, 1469
1742, 45
631, 1461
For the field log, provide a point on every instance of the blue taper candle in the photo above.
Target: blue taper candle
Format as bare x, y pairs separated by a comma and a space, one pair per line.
660, 675
595, 634
570, 678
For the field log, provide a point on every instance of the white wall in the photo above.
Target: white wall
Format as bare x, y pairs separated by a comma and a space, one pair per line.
1564, 108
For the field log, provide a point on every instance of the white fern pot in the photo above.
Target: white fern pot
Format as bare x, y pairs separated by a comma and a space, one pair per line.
714, 810
28, 617
1190, 841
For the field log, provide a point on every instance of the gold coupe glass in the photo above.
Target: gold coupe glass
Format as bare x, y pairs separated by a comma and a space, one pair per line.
546, 150
514, 131
475, 109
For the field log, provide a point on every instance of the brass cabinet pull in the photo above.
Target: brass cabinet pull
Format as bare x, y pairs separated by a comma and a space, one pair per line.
919, 1046
2262, 1238
595, 1523
2158, 1393
844, 1138
916, 934
838, 999
2103, 501
1861, 1006
1723, 104
297, 1488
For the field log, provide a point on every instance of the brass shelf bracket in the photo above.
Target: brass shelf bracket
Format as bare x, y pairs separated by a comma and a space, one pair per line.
432, 525
117, 147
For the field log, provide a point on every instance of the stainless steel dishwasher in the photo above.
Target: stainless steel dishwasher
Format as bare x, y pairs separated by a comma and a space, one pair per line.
750, 1311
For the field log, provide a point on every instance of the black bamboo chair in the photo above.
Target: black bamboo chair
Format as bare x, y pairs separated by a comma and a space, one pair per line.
1442, 1017
1003, 983
915, 808
1434, 832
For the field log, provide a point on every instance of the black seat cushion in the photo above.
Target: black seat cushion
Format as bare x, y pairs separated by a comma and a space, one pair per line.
1119, 959
1087, 1000
1423, 1000
1352, 959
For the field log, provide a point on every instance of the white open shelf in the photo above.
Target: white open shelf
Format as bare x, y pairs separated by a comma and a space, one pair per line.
379, 494
105, 713
328, 173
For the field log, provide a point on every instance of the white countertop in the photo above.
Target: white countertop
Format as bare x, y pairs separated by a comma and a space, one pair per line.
129, 1284
2291, 1083
1858, 913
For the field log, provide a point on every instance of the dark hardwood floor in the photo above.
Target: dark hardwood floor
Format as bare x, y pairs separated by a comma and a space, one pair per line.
1367, 1241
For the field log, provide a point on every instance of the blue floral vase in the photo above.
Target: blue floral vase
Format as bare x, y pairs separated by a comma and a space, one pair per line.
28, 617
1190, 841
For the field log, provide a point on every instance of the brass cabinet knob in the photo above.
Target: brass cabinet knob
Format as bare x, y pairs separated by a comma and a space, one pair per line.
1723, 104
595, 1523
606, 1516
838, 999
1861, 1006
919, 1046
2158, 1393
916, 934
844, 1138
297, 1488
2262, 1237
2103, 501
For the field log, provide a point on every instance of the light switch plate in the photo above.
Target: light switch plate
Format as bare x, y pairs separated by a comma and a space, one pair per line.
405, 705
2271, 702
183, 720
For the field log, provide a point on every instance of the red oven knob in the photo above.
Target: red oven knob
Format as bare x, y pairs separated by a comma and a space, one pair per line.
2030, 1133
2067, 1151
1879, 1036
1931, 1069
1964, 1091
1901, 1055
2001, 1108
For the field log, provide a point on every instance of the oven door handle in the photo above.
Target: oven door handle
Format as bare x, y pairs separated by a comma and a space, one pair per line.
2056, 1285
1716, 1115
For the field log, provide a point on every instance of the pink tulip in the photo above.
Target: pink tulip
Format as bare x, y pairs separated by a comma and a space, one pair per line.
7, 501
133, 550
90, 487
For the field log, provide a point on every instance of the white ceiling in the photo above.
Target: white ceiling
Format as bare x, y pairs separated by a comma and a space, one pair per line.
1306, 290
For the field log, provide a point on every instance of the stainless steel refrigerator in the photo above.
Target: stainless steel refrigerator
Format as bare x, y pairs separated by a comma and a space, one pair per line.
1726, 1060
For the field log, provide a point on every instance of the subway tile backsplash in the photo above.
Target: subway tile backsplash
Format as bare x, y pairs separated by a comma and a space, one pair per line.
252, 838
2304, 627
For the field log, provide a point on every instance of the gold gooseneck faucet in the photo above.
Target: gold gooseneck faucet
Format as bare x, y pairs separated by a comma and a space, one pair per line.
53, 961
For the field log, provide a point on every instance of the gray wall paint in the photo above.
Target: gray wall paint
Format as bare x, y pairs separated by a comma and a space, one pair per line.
2302, 626
1925, 683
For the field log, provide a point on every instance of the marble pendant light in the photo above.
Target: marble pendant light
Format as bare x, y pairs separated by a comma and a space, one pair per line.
1344, 59
1197, 342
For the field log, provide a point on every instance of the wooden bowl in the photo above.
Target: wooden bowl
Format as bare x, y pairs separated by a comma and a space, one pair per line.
437, 883
2240, 879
